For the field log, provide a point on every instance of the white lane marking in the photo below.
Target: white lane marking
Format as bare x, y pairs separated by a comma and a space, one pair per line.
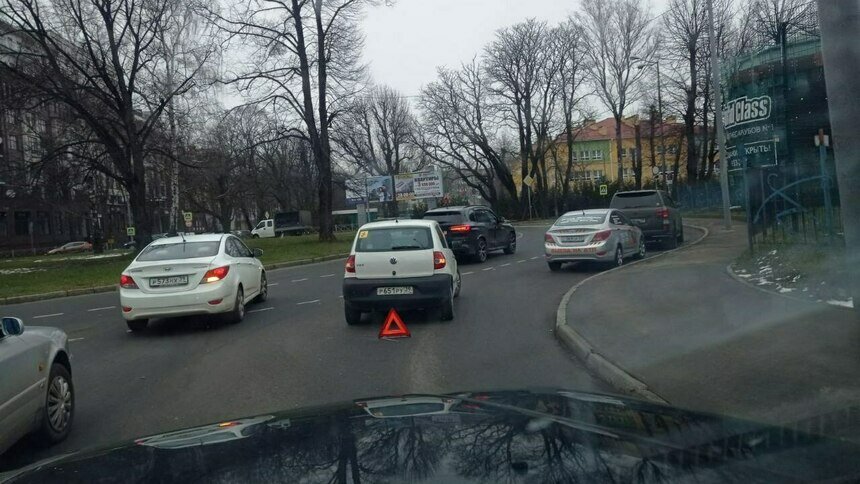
535, 257
101, 309
488, 269
521, 261
505, 265
299, 280
328, 275
260, 310
48, 315
273, 284
75, 339
467, 273
308, 302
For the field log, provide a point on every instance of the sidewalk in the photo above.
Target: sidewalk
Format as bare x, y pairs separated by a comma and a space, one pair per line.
701, 340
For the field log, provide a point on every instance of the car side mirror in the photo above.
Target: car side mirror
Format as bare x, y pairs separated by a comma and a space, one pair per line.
503, 220
11, 326
257, 252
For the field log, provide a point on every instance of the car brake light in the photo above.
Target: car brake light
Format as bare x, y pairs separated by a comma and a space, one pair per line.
216, 274
460, 229
126, 282
548, 238
602, 235
350, 264
439, 261
663, 212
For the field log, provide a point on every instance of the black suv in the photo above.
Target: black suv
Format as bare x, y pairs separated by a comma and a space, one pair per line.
654, 212
474, 230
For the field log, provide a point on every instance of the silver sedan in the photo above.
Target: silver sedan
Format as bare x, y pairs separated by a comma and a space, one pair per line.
36, 392
600, 235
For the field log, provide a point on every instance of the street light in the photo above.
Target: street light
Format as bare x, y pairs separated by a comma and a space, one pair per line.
641, 66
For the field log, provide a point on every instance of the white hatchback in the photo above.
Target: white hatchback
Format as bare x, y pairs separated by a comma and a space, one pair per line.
192, 274
400, 264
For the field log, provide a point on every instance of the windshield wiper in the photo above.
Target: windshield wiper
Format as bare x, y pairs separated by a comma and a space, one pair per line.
406, 247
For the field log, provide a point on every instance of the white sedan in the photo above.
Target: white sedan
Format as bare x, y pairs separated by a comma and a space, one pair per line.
189, 275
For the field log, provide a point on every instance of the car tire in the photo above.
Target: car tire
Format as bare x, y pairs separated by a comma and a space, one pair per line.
640, 253
238, 313
264, 289
554, 266
618, 261
255, 236
458, 284
59, 409
671, 242
448, 307
137, 325
352, 316
681, 235
481, 251
512, 243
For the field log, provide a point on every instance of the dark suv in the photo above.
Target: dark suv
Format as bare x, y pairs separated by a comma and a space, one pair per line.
654, 212
474, 230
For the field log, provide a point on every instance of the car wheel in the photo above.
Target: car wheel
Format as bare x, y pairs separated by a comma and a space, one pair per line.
619, 257
554, 266
137, 325
448, 306
640, 254
481, 251
352, 316
59, 406
458, 283
264, 289
238, 313
512, 243
671, 242
255, 236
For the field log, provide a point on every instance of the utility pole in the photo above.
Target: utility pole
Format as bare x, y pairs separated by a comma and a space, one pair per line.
718, 118
662, 134
840, 22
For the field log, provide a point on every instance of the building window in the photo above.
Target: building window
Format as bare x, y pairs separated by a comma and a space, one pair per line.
58, 223
13, 143
43, 224
598, 155
22, 223
574, 155
586, 155
598, 175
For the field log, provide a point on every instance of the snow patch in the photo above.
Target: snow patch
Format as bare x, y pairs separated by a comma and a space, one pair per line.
849, 303
20, 270
784, 290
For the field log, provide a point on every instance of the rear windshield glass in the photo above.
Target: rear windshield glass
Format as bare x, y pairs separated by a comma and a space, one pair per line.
187, 250
581, 219
395, 238
636, 200
445, 217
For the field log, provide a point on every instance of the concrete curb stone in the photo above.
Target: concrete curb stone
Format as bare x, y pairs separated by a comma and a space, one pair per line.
596, 363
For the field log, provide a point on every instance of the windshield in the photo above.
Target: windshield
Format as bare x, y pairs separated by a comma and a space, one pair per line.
182, 250
457, 202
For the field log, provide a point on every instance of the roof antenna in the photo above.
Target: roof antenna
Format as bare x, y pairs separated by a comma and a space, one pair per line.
182, 235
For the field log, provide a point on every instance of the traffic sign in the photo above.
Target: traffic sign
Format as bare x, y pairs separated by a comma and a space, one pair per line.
604, 189
393, 326
188, 216
130, 231
529, 180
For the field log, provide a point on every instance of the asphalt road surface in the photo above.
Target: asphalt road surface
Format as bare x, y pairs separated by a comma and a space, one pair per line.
296, 350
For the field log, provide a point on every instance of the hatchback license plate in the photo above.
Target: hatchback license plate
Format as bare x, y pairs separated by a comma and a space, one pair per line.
572, 239
168, 281
394, 291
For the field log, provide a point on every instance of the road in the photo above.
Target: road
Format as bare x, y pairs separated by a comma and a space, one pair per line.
296, 350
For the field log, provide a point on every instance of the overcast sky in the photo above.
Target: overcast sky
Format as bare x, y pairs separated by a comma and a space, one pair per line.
404, 43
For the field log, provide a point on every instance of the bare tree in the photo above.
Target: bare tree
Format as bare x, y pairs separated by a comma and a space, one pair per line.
619, 37
773, 20
98, 58
304, 60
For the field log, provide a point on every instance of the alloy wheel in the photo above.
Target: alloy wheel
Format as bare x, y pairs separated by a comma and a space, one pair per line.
59, 403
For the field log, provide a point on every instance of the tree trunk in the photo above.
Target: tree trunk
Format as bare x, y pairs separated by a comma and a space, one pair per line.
653, 149
637, 161
618, 150
324, 162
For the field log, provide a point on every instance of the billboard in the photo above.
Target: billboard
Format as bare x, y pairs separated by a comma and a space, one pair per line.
406, 186
379, 188
428, 185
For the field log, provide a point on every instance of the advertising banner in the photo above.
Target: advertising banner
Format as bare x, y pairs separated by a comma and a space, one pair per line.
379, 188
427, 185
404, 187
750, 133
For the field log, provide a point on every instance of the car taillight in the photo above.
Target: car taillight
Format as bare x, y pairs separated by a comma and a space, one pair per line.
126, 282
602, 235
460, 229
548, 238
439, 261
663, 213
350, 264
216, 274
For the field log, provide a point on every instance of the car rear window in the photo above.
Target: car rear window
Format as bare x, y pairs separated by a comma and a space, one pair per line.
581, 219
636, 200
445, 217
180, 250
394, 238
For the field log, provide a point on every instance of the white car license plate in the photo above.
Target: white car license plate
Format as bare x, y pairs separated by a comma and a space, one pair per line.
168, 281
394, 291
572, 239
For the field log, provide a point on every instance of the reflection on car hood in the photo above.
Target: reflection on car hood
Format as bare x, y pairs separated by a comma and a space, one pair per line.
547, 436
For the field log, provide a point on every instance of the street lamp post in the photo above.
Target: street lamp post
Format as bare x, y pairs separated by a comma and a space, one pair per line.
718, 118
656, 63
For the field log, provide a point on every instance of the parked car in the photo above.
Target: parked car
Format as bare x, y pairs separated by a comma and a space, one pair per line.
473, 231
400, 264
598, 235
654, 212
36, 391
192, 274
72, 247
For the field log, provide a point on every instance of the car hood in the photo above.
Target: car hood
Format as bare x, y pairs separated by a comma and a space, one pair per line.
533, 436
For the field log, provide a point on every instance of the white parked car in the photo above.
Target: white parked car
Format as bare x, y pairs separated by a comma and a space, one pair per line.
36, 391
192, 274
401, 264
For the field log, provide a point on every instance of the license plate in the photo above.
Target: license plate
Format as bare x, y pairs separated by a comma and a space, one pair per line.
168, 281
394, 291
572, 239
639, 220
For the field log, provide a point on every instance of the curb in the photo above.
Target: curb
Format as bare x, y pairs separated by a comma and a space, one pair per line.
743, 281
596, 363
101, 289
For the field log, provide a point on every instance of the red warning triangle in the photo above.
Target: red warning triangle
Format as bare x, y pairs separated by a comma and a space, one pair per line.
393, 326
